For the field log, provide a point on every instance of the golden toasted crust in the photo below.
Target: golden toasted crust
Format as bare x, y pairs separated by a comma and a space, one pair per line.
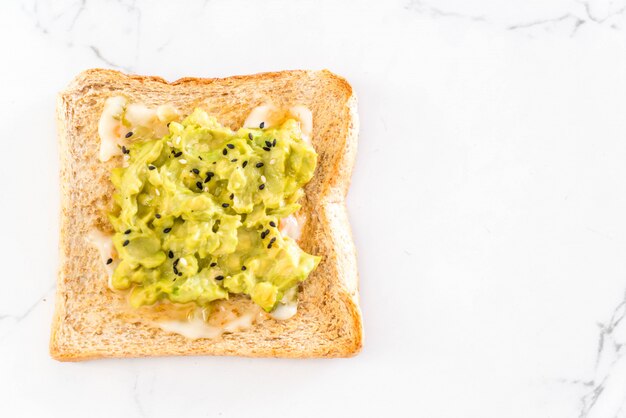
90, 321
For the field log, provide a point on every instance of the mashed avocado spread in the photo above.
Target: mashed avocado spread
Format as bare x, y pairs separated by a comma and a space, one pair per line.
197, 212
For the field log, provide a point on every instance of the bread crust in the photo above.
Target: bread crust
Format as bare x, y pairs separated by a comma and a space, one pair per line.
90, 321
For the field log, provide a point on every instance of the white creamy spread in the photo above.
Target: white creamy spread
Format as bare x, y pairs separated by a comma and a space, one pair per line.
291, 227
138, 114
267, 115
284, 311
226, 319
287, 307
242, 322
104, 244
111, 129
222, 320
272, 116
193, 328
167, 113
304, 115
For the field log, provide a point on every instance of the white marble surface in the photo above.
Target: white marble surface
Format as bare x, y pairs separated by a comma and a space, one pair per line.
488, 204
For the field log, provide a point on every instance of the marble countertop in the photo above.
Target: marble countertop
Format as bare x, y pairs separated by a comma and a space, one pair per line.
488, 204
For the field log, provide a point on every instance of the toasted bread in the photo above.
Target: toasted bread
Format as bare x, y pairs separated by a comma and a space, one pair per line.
90, 320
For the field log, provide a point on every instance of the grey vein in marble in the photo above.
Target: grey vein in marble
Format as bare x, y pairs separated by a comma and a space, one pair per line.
577, 22
136, 399
99, 55
618, 12
17, 318
80, 10
420, 7
607, 386
579, 14
52, 24
578, 19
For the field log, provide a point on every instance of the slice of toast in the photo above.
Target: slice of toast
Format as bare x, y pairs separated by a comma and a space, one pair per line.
91, 321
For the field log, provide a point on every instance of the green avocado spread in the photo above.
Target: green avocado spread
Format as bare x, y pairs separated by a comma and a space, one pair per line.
197, 213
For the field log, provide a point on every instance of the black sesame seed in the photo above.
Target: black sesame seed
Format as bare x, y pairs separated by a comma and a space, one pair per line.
158, 216
262, 186
231, 146
125, 243
224, 151
129, 134
264, 234
170, 254
225, 205
232, 195
176, 262
196, 171
207, 179
125, 150
109, 261
234, 160
175, 270
250, 136
151, 167
166, 230
127, 231
200, 158
168, 124
274, 142
219, 278
269, 245
273, 240
178, 154
213, 264
268, 143
259, 165
272, 223
243, 268
262, 125
199, 184
266, 148
180, 274
245, 163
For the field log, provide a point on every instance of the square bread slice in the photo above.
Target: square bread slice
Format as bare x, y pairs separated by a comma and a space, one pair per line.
91, 321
